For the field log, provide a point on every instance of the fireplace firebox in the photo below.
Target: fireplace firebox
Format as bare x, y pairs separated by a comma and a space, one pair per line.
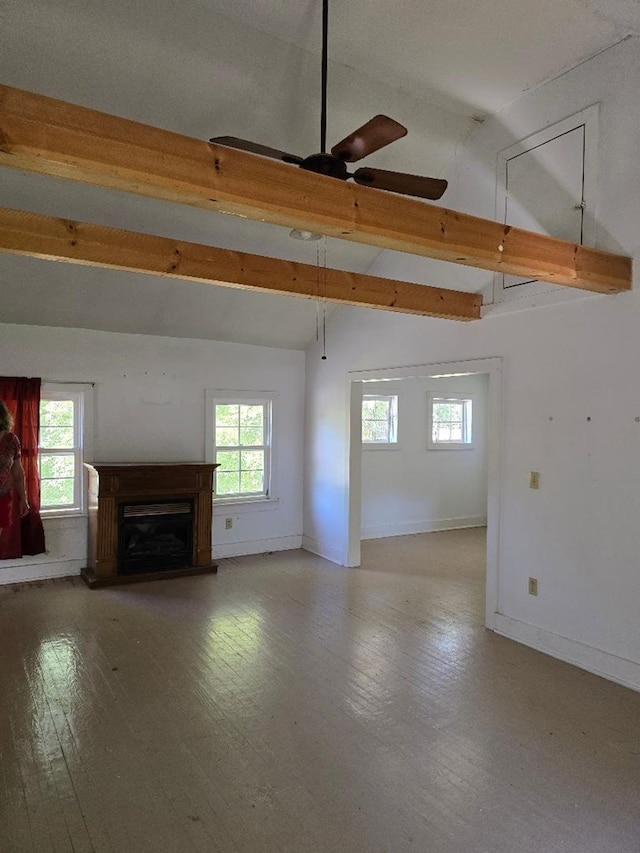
154, 536
148, 521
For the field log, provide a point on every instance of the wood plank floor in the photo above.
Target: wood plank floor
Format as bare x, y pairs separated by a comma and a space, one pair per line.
291, 705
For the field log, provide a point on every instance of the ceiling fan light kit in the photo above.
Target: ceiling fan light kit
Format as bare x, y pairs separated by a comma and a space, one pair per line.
375, 134
307, 236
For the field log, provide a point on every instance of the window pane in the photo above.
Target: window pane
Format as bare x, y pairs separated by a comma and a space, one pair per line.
56, 467
380, 432
227, 414
252, 415
227, 437
367, 431
229, 460
251, 436
56, 437
56, 413
252, 481
227, 482
56, 493
252, 460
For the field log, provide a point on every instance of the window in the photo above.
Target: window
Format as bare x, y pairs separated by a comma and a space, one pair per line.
61, 448
379, 419
241, 445
450, 422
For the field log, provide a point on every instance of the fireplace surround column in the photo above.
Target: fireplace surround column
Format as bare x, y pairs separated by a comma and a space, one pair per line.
113, 485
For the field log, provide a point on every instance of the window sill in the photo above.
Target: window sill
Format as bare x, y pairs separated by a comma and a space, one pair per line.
56, 514
242, 505
451, 447
381, 446
68, 521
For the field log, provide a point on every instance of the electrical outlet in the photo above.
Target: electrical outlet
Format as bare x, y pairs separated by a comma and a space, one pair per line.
534, 480
228, 523
533, 586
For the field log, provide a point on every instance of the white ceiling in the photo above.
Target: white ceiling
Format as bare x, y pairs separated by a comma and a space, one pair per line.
252, 69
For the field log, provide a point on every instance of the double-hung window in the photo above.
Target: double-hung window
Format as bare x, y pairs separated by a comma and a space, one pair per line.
450, 422
61, 448
240, 442
379, 420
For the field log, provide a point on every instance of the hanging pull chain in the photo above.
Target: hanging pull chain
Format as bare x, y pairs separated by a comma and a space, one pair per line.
321, 293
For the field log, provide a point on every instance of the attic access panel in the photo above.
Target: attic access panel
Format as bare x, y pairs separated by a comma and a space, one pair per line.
546, 184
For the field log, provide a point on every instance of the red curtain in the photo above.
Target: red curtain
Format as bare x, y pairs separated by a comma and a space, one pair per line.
26, 535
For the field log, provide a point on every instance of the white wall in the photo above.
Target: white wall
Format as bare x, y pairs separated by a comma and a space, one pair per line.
571, 398
150, 406
409, 488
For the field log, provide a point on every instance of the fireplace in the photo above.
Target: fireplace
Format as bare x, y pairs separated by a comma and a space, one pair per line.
148, 521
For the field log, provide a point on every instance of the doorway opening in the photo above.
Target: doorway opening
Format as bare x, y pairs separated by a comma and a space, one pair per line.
427, 383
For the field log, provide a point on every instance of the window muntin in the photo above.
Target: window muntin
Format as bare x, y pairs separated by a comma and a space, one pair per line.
379, 419
60, 451
450, 422
242, 447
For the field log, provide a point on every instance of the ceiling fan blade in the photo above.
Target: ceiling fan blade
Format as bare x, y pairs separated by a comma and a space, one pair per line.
400, 182
254, 148
375, 134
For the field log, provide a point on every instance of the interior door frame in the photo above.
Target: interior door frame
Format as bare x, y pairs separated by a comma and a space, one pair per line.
357, 380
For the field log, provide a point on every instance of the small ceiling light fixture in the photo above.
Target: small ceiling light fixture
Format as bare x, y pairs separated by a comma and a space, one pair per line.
307, 236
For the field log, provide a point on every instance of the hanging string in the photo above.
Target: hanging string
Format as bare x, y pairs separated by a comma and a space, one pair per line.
318, 292
323, 252
321, 294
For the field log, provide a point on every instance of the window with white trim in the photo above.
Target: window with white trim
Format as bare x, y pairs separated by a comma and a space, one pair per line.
379, 419
240, 441
61, 448
450, 422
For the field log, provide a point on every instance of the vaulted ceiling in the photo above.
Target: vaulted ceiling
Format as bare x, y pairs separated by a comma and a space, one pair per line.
252, 69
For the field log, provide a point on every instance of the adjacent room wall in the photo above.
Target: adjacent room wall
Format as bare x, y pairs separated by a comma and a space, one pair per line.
149, 397
409, 488
571, 399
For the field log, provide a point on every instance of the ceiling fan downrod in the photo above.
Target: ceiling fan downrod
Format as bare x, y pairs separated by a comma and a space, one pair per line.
325, 64
325, 163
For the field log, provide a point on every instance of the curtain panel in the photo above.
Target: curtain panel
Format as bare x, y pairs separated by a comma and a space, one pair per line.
26, 535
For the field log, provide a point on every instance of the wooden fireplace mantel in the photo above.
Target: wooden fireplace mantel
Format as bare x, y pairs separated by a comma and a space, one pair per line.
111, 484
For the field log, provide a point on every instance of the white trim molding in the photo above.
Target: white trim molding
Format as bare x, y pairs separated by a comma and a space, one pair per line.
256, 546
597, 661
412, 528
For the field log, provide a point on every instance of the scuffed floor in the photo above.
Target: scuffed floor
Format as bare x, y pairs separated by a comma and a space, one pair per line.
291, 705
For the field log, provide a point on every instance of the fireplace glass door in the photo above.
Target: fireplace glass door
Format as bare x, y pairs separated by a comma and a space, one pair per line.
155, 536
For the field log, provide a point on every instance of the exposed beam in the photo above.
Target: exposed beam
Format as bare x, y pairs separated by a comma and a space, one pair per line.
35, 235
57, 138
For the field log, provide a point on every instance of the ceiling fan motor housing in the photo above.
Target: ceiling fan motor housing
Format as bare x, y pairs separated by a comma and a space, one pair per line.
325, 164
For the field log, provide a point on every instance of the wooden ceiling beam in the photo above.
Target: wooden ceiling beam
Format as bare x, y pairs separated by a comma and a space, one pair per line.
53, 137
50, 238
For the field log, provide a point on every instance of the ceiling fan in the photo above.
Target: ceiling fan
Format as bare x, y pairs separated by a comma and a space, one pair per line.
375, 134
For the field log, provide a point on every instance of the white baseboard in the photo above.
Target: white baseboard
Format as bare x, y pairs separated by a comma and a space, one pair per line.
23, 572
256, 546
405, 528
605, 664
324, 549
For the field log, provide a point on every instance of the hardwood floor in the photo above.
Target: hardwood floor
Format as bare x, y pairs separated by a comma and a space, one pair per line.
287, 704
